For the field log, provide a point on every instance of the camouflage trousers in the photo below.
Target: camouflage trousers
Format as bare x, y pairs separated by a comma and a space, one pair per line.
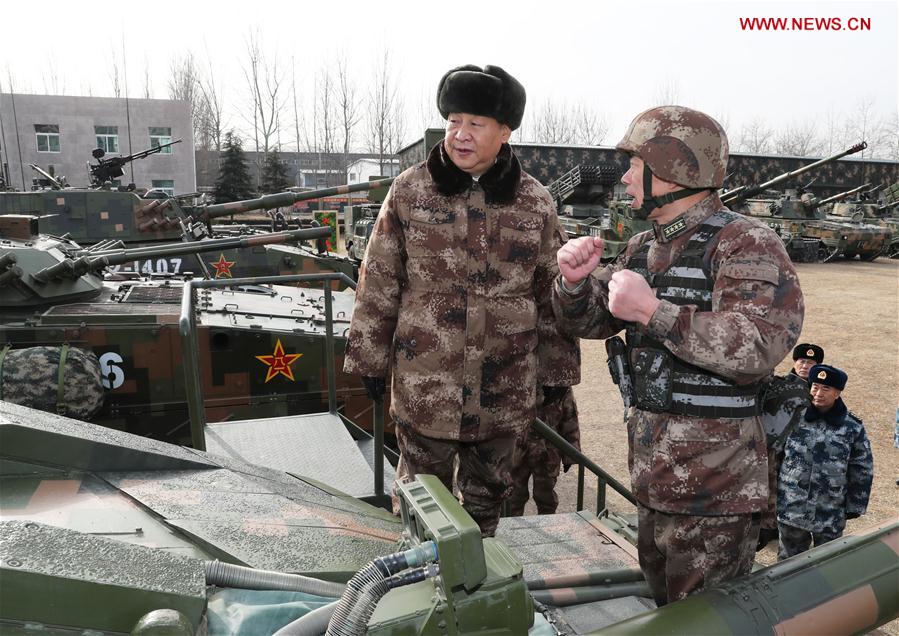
793, 540
538, 458
683, 554
483, 477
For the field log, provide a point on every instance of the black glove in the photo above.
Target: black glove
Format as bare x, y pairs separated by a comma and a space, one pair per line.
553, 393
375, 387
852, 515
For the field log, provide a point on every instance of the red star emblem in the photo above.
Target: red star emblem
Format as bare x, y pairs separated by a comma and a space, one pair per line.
279, 363
222, 267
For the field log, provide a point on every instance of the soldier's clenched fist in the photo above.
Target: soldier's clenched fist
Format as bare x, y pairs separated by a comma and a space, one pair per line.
578, 257
630, 297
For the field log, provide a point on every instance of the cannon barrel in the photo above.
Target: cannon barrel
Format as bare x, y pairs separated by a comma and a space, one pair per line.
744, 192
92, 261
283, 199
847, 586
842, 195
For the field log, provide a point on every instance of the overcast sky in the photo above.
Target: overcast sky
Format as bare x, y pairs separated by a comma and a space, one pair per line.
620, 57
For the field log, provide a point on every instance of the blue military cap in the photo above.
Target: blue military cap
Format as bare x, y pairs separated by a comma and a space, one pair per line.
828, 376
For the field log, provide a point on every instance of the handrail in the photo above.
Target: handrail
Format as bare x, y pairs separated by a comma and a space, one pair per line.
603, 478
187, 327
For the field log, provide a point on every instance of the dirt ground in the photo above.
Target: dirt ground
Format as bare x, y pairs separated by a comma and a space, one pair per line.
852, 311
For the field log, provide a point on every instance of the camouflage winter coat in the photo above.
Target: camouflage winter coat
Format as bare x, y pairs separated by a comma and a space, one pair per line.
691, 465
826, 472
454, 299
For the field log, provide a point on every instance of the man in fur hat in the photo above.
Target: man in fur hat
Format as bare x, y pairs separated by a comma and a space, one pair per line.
827, 469
453, 298
805, 356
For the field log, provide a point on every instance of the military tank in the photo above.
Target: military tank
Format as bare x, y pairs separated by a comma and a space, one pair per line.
868, 210
105, 532
799, 219
262, 349
136, 218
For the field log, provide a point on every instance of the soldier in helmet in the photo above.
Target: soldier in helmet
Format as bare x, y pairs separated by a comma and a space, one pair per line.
711, 304
454, 298
827, 469
805, 356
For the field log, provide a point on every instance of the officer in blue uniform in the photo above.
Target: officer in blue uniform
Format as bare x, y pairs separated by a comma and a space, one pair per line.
827, 470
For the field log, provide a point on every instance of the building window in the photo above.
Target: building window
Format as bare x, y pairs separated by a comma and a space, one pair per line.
107, 138
352, 177
160, 136
166, 185
47, 137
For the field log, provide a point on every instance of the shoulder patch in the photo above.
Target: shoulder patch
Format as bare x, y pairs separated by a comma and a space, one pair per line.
855, 417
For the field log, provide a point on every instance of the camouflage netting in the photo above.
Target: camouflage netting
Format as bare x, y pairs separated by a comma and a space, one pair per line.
30, 377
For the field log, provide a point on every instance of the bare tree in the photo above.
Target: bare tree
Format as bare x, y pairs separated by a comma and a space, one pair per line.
382, 129
212, 108
590, 127
668, 93
147, 88
264, 78
347, 107
185, 85
798, 140
52, 82
889, 149
864, 124
114, 74
755, 137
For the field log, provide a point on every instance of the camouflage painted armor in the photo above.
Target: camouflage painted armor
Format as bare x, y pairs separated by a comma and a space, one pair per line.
690, 464
537, 457
63, 379
454, 299
826, 472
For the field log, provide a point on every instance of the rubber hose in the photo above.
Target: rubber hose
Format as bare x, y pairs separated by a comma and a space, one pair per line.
368, 575
229, 575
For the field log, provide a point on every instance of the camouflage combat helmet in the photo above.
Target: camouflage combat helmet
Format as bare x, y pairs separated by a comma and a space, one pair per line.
680, 145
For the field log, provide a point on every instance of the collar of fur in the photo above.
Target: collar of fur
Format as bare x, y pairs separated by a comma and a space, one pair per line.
500, 183
834, 416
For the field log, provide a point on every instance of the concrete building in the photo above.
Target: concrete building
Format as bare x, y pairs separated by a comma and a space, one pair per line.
368, 168
60, 131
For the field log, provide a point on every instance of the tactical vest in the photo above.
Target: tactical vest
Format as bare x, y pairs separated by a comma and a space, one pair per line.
669, 384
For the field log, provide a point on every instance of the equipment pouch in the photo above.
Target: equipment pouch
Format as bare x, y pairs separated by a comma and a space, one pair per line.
619, 369
783, 400
652, 371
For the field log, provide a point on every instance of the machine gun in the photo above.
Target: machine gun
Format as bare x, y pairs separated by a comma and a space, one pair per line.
741, 193
109, 169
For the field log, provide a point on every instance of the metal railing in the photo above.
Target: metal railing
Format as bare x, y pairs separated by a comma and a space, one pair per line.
584, 463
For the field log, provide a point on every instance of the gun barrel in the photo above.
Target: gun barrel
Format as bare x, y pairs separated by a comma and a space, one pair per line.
847, 586
842, 195
117, 257
744, 192
284, 199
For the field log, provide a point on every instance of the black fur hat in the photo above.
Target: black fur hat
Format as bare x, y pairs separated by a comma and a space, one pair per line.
808, 352
489, 91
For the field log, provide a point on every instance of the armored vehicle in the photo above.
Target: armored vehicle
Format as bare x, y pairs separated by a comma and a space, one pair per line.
105, 532
137, 218
867, 210
262, 349
799, 218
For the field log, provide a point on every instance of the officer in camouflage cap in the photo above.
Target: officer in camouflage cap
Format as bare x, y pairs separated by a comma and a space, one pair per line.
827, 469
711, 304
64, 380
454, 297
